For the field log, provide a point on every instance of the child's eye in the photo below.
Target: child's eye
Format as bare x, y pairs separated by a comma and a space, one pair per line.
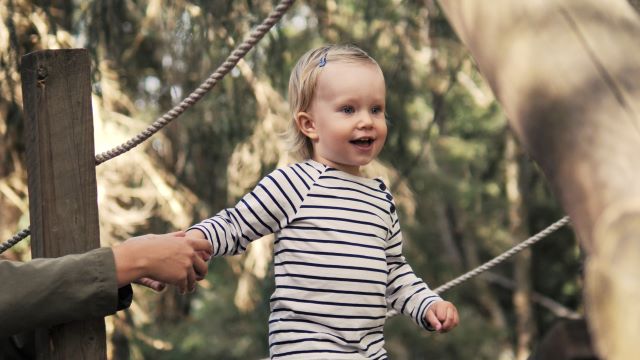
376, 110
348, 109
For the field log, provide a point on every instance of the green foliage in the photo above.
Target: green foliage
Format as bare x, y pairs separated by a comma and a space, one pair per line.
445, 141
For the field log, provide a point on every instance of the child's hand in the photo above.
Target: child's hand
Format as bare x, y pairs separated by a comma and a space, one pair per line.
151, 284
442, 316
206, 256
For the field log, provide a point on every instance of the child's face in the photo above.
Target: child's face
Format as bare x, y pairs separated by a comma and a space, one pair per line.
346, 122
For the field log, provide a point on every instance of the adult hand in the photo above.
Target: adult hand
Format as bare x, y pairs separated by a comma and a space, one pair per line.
168, 258
442, 316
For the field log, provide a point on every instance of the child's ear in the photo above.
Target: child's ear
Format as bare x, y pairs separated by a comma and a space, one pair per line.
307, 125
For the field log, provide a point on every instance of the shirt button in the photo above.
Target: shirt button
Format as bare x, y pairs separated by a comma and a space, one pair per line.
383, 187
392, 208
389, 197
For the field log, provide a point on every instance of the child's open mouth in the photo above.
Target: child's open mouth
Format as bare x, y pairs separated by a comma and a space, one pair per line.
363, 142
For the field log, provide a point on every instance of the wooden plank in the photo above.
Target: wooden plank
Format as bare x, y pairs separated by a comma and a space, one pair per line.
62, 180
567, 75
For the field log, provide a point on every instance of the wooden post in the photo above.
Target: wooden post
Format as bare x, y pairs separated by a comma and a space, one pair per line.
62, 180
567, 75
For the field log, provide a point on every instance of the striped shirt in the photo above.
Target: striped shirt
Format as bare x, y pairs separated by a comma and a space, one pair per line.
337, 259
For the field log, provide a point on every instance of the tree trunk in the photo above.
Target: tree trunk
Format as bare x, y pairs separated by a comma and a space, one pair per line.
525, 325
567, 76
483, 292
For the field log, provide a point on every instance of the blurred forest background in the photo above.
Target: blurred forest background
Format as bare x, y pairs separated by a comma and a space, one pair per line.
465, 189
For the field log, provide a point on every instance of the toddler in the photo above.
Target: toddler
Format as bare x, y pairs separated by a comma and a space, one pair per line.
338, 259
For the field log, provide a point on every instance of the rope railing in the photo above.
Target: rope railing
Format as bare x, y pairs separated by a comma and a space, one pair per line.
207, 85
504, 256
195, 96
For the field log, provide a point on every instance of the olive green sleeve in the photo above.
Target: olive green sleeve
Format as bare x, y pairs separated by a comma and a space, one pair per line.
44, 292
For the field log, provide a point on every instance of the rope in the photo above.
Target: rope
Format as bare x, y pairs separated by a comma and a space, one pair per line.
231, 61
207, 85
504, 256
14, 240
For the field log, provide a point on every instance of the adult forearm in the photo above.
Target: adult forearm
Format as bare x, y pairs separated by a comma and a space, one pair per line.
45, 292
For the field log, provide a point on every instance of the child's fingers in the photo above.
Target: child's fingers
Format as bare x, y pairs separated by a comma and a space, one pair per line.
441, 311
448, 319
201, 267
433, 320
452, 319
204, 255
150, 283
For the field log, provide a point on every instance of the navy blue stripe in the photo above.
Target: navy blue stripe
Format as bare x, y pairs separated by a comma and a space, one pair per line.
331, 278
330, 254
319, 171
406, 301
282, 192
304, 172
350, 189
208, 221
342, 219
334, 230
331, 266
311, 351
224, 231
420, 311
400, 276
333, 316
322, 241
257, 218
275, 201
291, 183
373, 343
335, 291
239, 229
297, 331
340, 208
307, 321
234, 236
246, 222
381, 357
329, 303
285, 342
300, 177
264, 207
348, 180
424, 321
348, 199
393, 246
395, 290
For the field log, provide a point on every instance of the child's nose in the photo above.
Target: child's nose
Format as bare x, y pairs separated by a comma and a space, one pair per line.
365, 120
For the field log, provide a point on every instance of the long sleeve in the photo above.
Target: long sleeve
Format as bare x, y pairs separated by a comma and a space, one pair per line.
406, 293
44, 292
268, 208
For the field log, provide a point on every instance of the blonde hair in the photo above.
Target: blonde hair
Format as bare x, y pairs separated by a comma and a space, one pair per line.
302, 85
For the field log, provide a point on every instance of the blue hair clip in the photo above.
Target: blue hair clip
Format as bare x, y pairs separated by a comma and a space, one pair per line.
323, 60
